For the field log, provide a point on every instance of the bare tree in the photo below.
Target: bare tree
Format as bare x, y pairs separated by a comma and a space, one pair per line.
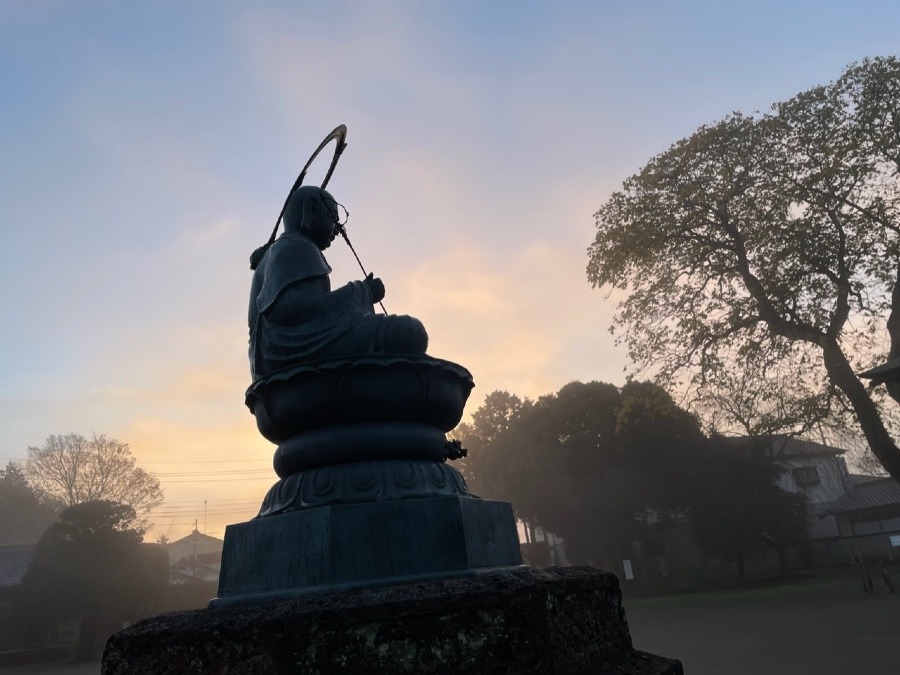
75, 470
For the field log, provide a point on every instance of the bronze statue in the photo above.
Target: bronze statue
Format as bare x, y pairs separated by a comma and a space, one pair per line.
360, 415
334, 382
294, 315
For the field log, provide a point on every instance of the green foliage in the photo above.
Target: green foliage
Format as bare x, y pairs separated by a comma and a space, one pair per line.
26, 514
493, 417
589, 463
602, 466
760, 259
738, 508
92, 565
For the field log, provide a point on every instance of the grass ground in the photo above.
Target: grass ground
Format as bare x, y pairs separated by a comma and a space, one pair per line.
823, 625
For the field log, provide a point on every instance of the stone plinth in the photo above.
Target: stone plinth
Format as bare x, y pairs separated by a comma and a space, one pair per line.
340, 546
560, 620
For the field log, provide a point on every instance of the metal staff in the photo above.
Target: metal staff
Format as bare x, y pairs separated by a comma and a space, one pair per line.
343, 233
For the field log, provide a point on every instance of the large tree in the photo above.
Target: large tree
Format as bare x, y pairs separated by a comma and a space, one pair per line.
591, 463
737, 509
31, 513
760, 259
92, 566
493, 417
75, 469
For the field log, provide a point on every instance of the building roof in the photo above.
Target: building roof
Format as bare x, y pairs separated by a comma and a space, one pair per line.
788, 447
860, 478
184, 572
868, 495
195, 536
14, 560
886, 372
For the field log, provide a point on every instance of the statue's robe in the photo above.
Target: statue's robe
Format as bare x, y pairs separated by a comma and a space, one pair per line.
295, 317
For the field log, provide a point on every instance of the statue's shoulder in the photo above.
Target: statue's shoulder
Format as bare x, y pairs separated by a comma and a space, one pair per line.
296, 249
291, 258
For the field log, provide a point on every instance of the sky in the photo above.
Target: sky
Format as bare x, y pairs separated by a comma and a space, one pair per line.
146, 149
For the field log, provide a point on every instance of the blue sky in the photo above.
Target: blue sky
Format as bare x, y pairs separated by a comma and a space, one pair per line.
146, 148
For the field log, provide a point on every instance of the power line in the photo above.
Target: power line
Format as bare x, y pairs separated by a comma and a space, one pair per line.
218, 480
194, 507
167, 506
205, 461
173, 461
214, 473
179, 514
181, 510
225, 472
200, 501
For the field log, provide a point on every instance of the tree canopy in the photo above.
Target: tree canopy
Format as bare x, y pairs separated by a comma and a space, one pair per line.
760, 260
587, 462
92, 565
31, 514
493, 417
75, 470
604, 467
738, 509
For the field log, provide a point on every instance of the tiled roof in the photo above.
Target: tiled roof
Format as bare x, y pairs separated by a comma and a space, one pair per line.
786, 446
860, 478
195, 536
885, 372
881, 492
14, 561
187, 573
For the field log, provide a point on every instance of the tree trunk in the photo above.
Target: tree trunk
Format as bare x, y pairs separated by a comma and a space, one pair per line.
893, 328
781, 552
87, 637
841, 374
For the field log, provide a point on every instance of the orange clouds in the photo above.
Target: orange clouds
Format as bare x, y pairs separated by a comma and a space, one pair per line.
515, 321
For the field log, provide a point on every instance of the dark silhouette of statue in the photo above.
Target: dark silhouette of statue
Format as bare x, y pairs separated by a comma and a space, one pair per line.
365, 499
294, 315
338, 388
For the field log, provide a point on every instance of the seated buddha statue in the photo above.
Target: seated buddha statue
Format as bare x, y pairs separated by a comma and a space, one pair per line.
294, 315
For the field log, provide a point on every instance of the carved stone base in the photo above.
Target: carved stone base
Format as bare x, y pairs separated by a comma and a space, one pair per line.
360, 442
362, 482
342, 546
562, 620
359, 389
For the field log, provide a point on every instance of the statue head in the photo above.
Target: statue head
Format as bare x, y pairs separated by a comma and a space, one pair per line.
314, 212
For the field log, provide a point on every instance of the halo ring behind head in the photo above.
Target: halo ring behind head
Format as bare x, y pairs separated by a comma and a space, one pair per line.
339, 135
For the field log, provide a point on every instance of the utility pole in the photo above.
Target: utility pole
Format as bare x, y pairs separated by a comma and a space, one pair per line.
194, 562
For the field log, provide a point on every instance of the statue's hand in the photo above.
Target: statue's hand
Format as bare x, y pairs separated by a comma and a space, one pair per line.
376, 287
